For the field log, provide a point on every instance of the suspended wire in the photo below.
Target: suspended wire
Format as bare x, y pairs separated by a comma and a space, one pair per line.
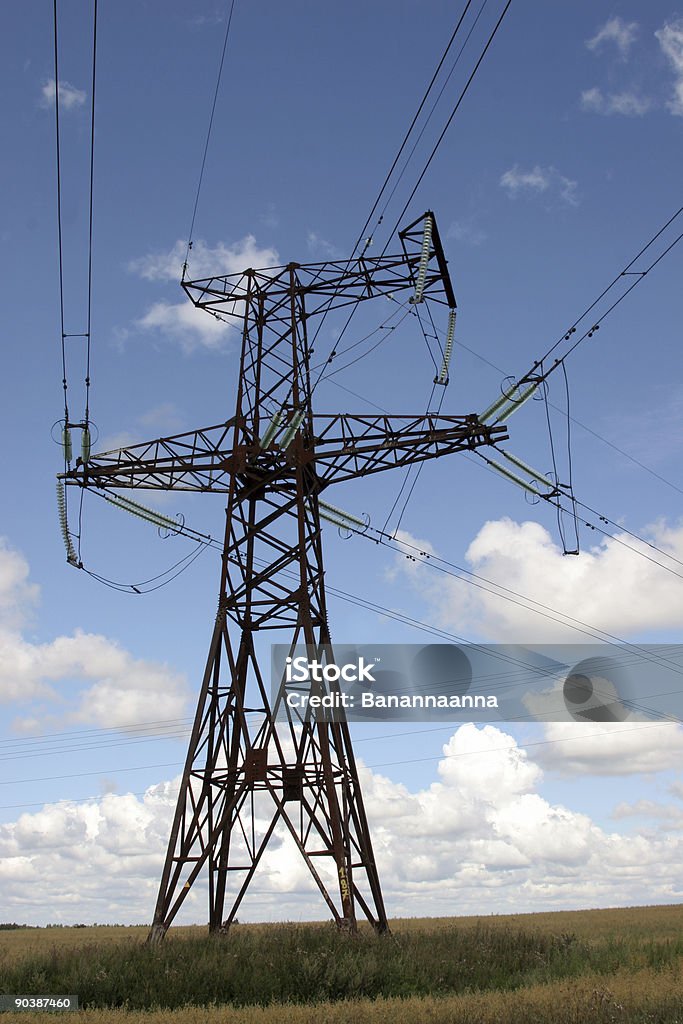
420, 177
354, 344
570, 471
387, 334
380, 536
579, 423
626, 272
521, 600
60, 242
384, 186
407, 477
412, 125
551, 499
362, 398
417, 474
556, 478
513, 745
208, 137
431, 112
450, 119
59, 210
90, 217
130, 588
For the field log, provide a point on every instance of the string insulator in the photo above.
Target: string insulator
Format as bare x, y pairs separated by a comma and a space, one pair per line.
516, 403
424, 260
495, 406
86, 444
64, 525
292, 428
327, 510
150, 515
524, 466
518, 479
331, 518
66, 444
271, 430
448, 348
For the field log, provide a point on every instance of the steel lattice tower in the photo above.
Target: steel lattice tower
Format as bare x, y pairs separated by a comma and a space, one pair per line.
274, 459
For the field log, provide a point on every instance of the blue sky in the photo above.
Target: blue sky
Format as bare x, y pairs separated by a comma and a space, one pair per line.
562, 161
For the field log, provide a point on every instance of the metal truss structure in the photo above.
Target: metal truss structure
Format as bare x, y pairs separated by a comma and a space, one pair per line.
246, 773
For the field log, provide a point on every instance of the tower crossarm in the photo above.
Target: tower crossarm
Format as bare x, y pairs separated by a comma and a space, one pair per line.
333, 284
200, 460
351, 446
338, 447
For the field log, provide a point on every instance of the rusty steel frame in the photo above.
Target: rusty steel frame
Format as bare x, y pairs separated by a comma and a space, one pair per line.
245, 773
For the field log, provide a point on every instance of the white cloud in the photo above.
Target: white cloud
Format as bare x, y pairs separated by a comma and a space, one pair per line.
538, 179
192, 328
69, 96
615, 748
320, 248
204, 260
466, 232
197, 328
670, 38
17, 595
480, 838
607, 586
677, 789
626, 103
92, 679
669, 816
615, 31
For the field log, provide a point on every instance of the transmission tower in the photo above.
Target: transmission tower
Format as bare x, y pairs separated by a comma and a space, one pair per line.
245, 773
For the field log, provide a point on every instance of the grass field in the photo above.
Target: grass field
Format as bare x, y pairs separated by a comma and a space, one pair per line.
565, 968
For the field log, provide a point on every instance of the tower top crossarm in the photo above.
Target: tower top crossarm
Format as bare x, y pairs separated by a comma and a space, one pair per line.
334, 284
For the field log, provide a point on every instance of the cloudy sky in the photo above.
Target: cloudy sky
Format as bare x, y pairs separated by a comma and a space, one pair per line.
562, 161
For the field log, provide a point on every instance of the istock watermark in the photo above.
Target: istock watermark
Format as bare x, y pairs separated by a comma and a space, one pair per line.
476, 683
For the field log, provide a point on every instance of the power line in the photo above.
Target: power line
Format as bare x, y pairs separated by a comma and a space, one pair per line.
626, 272
412, 125
208, 136
388, 764
90, 216
450, 119
434, 105
393, 167
474, 579
59, 210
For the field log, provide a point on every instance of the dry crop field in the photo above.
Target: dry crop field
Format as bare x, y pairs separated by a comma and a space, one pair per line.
568, 967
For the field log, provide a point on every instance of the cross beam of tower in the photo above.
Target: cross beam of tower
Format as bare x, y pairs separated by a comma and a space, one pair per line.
244, 775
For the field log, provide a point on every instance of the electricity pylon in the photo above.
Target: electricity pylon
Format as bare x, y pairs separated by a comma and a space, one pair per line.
244, 774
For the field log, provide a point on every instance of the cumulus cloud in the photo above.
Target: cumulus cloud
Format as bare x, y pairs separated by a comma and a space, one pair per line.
629, 104
69, 96
478, 839
670, 38
615, 32
466, 232
94, 680
195, 328
607, 586
668, 816
192, 328
204, 260
539, 180
17, 595
616, 748
320, 248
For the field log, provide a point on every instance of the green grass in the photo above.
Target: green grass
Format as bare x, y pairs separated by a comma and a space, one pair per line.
553, 968
313, 964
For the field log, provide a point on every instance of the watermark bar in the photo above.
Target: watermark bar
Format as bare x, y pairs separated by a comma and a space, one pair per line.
49, 1003
478, 682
